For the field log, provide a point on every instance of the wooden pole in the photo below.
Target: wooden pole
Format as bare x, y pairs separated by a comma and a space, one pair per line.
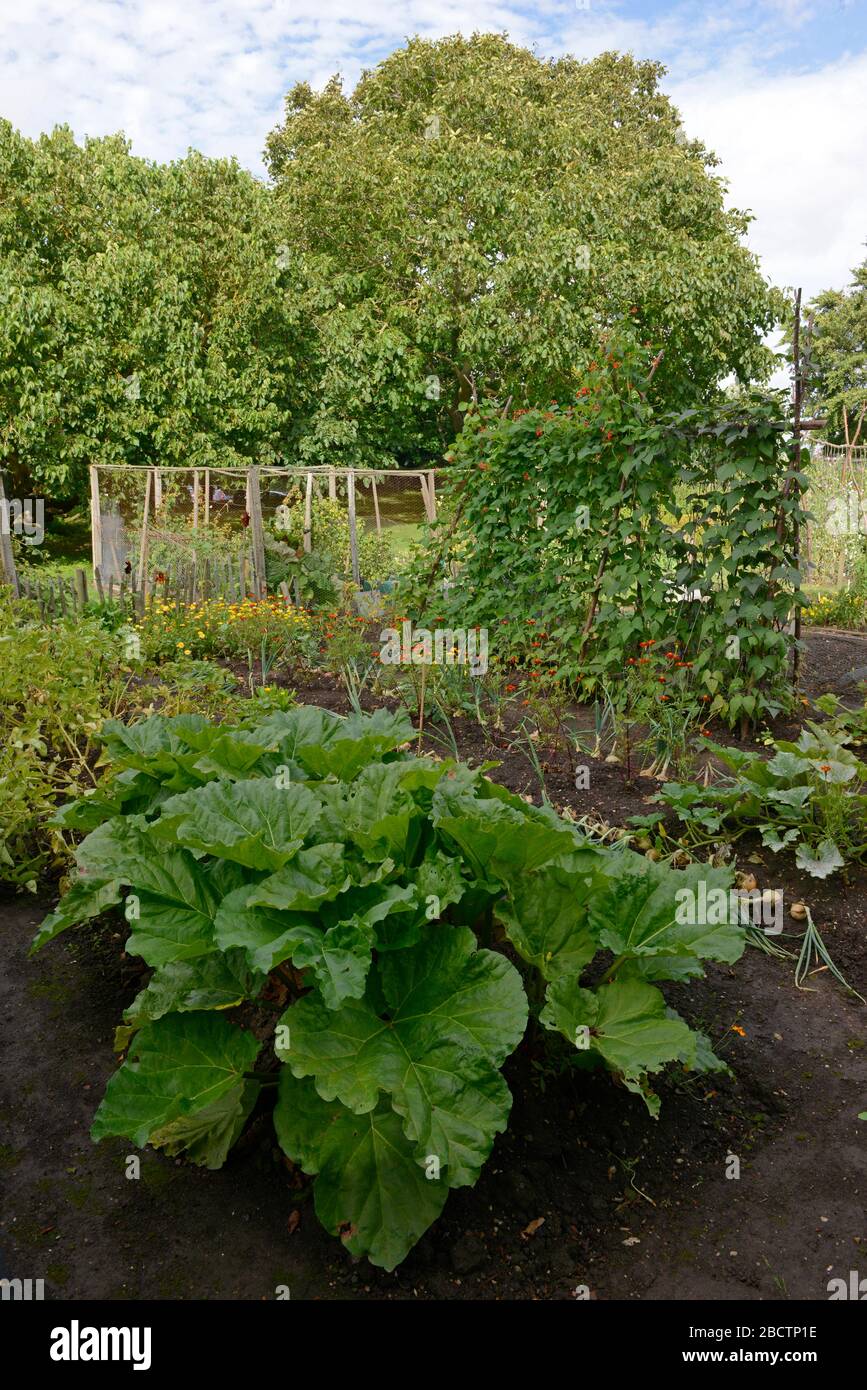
7, 560
376, 507
207, 497
257, 530
332, 484
353, 534
158, 490
308, 515
143, 544
796, 463
195, 499
432, 492
81, 588
95, 519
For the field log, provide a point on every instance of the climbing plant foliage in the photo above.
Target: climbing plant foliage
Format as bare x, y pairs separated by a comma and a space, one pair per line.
606, 523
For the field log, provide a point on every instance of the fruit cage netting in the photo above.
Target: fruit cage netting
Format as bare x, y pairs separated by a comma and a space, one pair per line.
146, 520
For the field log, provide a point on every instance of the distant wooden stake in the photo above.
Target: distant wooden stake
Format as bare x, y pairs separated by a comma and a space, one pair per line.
143, 545
81, 588
332, 484
7, 560
195, 499
257, 530
95, 519
353, 534
376, 507
308, 515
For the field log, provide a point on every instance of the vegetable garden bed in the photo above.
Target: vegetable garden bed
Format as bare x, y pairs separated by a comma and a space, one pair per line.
584, 1191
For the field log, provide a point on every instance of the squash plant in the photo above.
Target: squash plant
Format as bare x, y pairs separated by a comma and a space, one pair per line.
384, 898
810, 796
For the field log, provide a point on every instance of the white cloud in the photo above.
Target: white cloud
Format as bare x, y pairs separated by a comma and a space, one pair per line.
212, 74
793, 151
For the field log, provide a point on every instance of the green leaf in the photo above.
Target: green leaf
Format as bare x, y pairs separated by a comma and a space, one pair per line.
500, 841
649, 909
176, 1067
206, 1136
313, 877
217, 981
371, 1189
546, 920
452, 1016
173, 902
822, 862
267, 935
626, 1023
254, 822
85, 899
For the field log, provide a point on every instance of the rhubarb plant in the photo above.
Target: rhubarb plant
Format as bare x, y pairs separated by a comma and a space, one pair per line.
332, 926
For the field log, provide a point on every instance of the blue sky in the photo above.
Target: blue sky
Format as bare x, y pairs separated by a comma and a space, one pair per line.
778, 88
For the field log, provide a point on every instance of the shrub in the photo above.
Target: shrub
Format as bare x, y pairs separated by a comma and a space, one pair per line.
309, 865
57, 684
330, 538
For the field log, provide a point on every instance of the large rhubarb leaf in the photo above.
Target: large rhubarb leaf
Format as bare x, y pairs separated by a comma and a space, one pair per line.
641, 909
546, 920
173, 899
371, 1189
176, 1067
253, 822
313, 877
207, 1136
355, 742
216, 981
625, 1022
500, 841
86, 898
451, 1015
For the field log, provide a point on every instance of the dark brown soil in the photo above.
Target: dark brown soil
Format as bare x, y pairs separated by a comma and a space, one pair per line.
629, 1207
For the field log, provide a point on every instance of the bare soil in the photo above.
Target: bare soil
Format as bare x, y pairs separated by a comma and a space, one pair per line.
583, 1190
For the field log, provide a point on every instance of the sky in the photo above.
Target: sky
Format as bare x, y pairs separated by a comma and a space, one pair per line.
777, 88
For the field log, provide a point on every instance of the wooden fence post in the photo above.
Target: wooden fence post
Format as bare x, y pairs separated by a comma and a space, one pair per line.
95, 519
254, 509
376, 504
143, 544
332, 484
8, 571
308, 515
353, 534
81, 588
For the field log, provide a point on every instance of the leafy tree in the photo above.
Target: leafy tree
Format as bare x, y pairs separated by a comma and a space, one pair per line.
473, 216
838, 367
144, 312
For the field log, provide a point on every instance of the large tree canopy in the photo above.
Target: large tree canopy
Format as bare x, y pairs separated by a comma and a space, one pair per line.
473, 216
838, 365
143, 312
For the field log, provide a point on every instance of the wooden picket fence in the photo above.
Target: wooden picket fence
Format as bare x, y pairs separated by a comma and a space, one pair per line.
61, 596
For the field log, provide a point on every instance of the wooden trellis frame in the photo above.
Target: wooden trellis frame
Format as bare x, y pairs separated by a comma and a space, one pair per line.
253, 476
